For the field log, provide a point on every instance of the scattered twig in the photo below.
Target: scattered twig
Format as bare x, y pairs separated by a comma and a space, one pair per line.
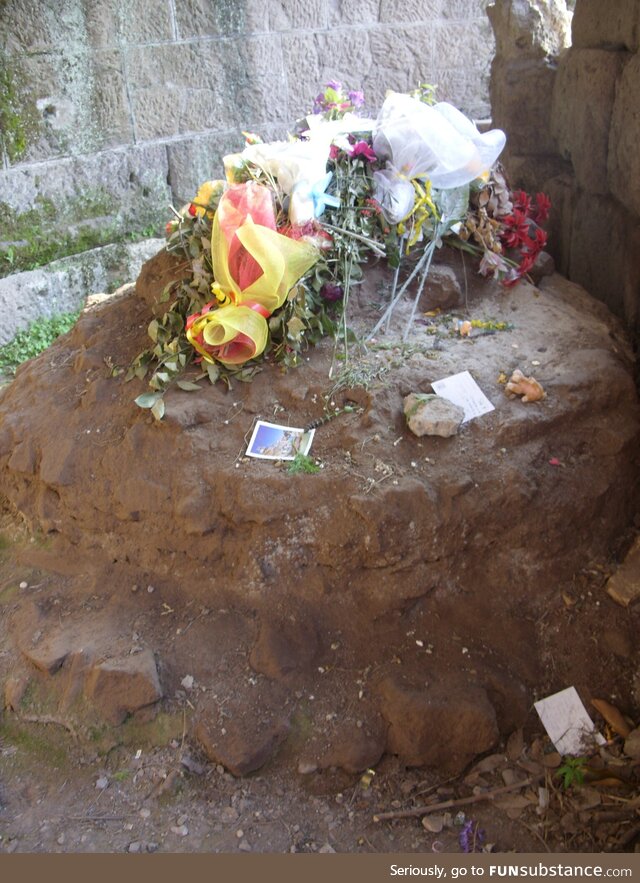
425, 809
536, 834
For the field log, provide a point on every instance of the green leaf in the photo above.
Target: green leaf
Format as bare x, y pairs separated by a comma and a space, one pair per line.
295, 327
453, 203
213, 371
152, 330
187, 385
148, 399
158, 409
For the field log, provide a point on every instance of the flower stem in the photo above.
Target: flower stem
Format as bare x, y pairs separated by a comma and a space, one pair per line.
370, 242
429, 252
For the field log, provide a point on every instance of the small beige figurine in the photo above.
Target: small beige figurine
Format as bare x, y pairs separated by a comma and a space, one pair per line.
527, 387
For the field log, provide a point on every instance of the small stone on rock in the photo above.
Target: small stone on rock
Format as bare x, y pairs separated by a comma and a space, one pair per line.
102, 783
432, 415
433, 823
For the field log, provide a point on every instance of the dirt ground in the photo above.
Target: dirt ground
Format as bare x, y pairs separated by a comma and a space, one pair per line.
201, 652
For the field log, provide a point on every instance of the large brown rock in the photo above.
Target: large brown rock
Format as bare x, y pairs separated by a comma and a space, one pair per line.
399, 552
242, 747
121, 686
444, 725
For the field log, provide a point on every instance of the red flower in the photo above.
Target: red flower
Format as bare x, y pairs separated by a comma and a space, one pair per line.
516, 230
522, 201
541, 211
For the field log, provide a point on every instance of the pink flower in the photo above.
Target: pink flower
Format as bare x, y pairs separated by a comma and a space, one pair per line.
363, 149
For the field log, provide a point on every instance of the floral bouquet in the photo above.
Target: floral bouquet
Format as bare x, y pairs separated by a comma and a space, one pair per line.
274, 249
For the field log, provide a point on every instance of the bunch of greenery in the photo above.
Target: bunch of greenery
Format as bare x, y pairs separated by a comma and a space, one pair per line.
33, 340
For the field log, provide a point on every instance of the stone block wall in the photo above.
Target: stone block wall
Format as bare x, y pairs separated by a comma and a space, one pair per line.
586, 156
110, 109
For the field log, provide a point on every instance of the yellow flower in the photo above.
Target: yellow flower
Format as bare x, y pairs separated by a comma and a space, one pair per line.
205, 200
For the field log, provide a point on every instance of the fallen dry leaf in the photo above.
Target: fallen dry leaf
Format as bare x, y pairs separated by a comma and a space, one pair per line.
531, 766
489, 764
515, 744
612, 716
551, 761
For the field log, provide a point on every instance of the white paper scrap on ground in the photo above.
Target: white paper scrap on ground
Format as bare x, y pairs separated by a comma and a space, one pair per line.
462, 390
566, 721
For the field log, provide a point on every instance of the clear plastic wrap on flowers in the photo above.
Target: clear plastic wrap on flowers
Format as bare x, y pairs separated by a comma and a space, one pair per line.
438, 143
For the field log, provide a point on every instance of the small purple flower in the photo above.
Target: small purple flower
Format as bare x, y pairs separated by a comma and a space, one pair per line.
319, 104
331, 292
471, 837
334, 84
356, 98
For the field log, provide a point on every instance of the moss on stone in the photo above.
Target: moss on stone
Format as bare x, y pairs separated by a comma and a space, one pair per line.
18, 117
38, 236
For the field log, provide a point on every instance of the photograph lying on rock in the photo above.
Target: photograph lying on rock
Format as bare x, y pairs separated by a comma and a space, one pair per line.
272, 442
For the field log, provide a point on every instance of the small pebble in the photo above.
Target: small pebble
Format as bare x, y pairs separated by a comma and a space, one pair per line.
150, 589
135, 846
180, 830
102, 783
239, 833
24, 585
145, 813
61, 839
244, 846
